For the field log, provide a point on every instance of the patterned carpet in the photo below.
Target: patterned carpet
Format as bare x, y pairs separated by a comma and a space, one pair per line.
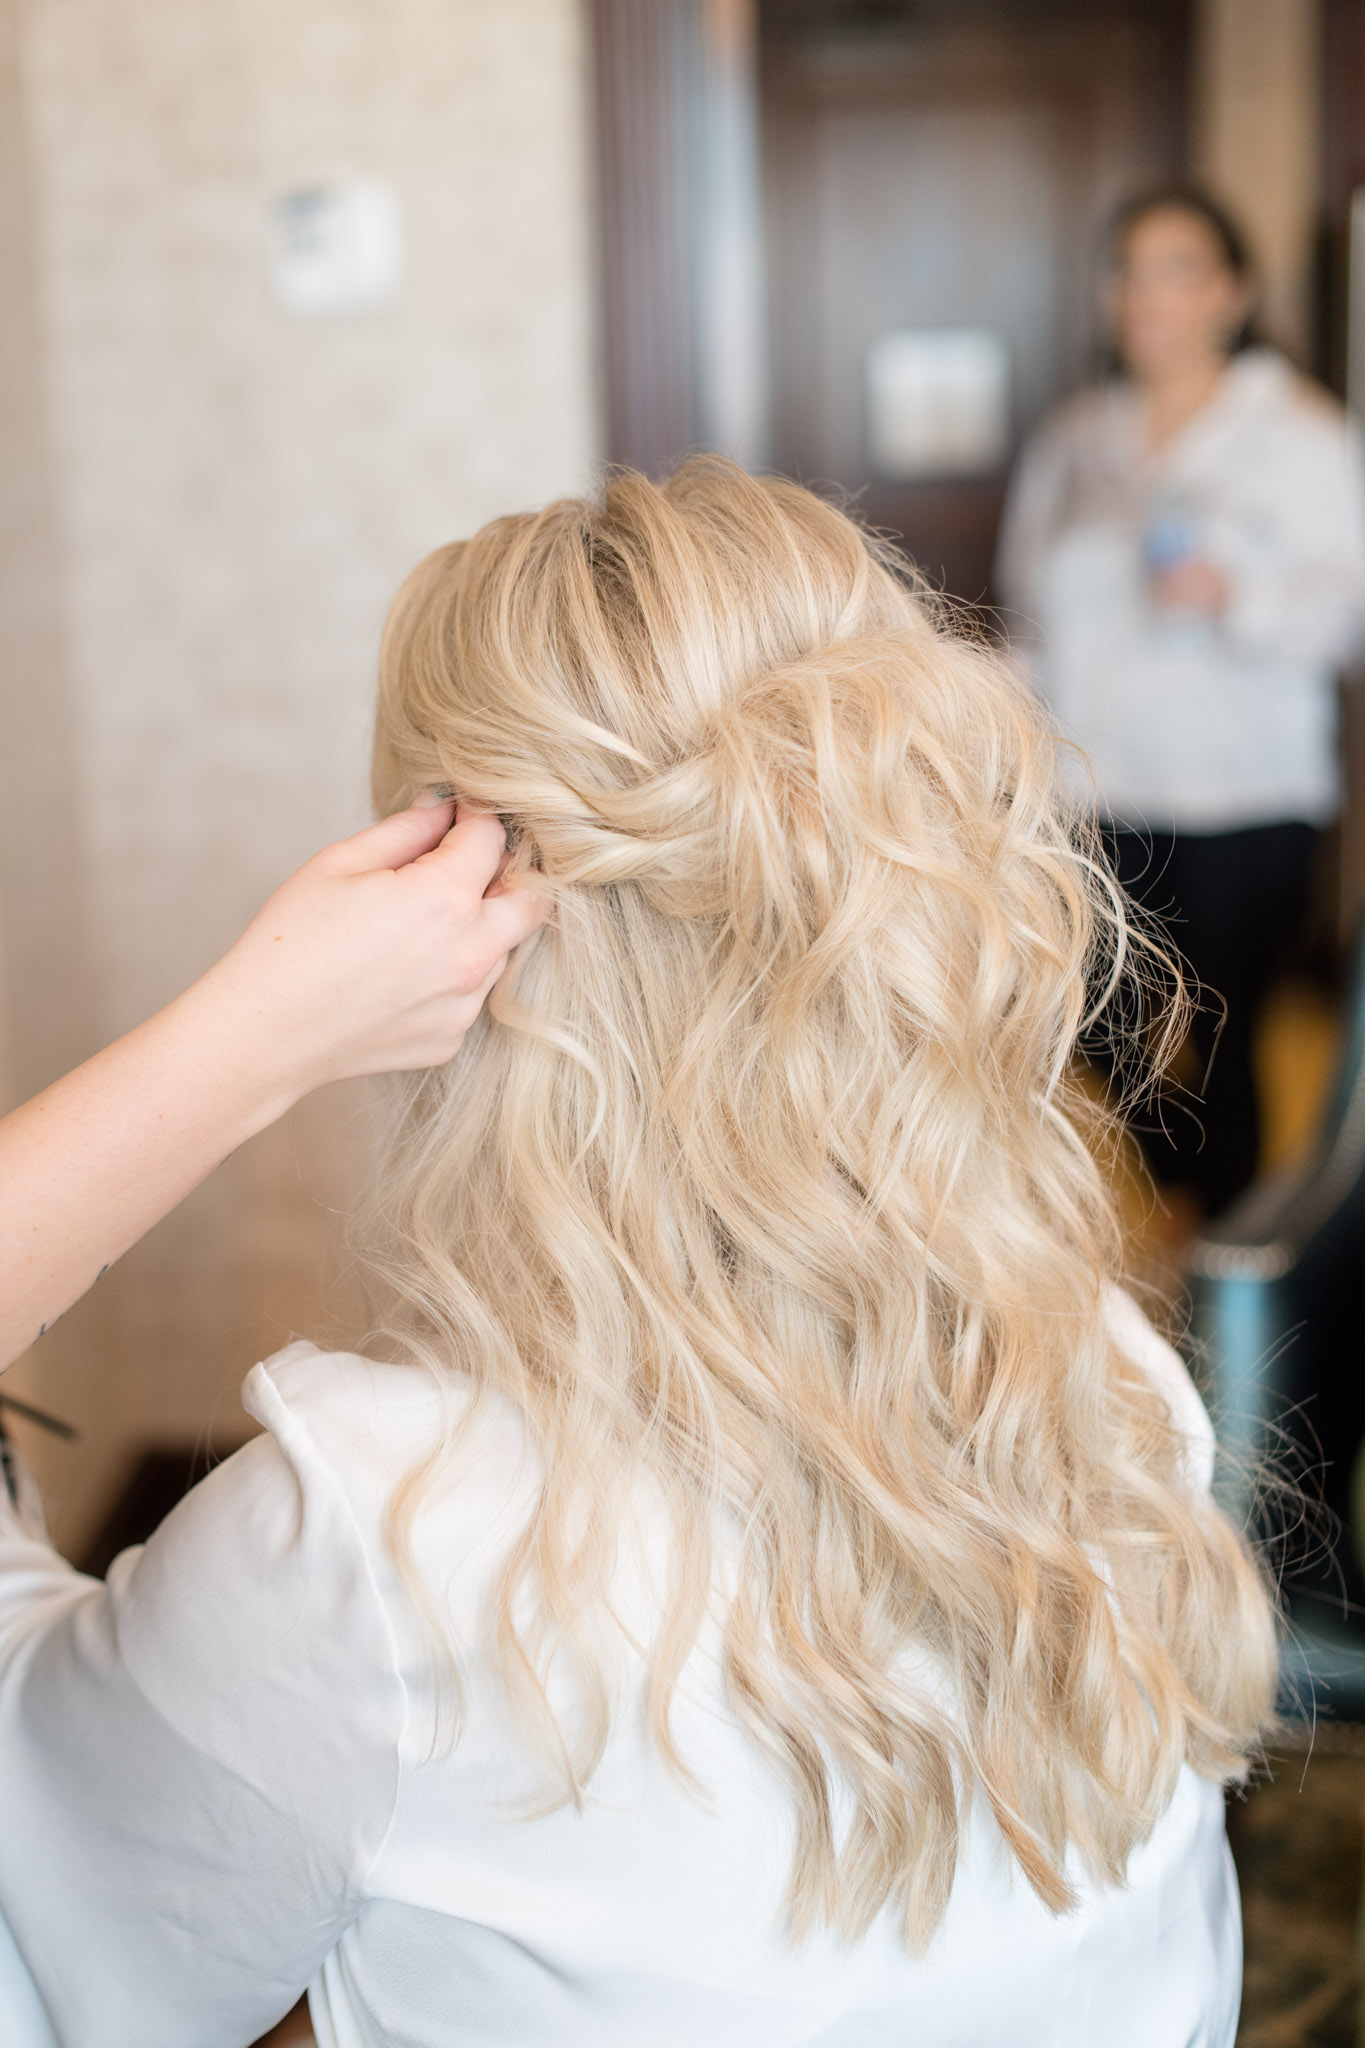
1299, 1841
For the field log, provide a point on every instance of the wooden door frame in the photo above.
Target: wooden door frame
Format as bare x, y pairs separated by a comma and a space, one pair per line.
648, 315
681, 249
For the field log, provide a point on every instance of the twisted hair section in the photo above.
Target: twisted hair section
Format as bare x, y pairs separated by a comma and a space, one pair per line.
765, 1183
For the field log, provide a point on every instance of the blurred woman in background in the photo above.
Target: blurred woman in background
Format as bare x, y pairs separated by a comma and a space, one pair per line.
1183, 558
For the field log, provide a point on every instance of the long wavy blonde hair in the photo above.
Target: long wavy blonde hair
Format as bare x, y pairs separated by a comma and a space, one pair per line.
766, 1178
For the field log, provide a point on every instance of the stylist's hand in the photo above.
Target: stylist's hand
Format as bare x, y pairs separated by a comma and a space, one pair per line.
378, 954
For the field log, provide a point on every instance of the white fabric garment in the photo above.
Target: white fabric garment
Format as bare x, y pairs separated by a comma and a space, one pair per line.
1194, 724
217, 1787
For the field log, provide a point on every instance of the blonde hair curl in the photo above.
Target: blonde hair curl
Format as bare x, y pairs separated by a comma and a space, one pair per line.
766, 1177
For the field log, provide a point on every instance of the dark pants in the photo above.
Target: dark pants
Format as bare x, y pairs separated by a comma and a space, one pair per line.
1229, 902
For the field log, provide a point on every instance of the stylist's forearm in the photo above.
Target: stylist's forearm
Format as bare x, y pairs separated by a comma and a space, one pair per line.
88, 1166
374, 958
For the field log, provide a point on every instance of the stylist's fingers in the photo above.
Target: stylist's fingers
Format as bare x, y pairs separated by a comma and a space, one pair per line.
395, 841
490, 981
473, 852
511, 915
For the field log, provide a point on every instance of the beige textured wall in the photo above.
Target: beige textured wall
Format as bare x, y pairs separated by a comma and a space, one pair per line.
1256, 139
216, 503
43, 937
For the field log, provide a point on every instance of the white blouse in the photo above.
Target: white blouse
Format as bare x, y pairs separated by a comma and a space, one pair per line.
218, 1786
1190, 723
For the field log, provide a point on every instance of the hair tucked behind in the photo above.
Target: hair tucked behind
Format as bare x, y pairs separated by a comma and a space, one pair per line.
765, 1179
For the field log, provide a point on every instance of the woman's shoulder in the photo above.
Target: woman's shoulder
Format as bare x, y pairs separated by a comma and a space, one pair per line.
1277, 391
343, 1395
286, 1544
371, 1423
1141, 1343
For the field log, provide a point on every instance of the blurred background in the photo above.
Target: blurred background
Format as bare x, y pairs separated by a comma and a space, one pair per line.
216, 470
294, 290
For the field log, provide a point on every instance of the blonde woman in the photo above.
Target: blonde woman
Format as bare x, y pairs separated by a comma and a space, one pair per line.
764, 1589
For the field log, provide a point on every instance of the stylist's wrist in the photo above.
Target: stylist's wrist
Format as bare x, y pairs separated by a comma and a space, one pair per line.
250, 1068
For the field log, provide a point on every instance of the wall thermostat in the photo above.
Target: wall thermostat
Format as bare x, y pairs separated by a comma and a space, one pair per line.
336, 248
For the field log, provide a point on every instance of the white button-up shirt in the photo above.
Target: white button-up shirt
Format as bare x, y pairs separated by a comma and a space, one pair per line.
218, 1785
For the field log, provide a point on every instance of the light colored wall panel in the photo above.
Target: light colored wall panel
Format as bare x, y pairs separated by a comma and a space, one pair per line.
47, 997
235, 496
1256, 136
242, 491
42, 822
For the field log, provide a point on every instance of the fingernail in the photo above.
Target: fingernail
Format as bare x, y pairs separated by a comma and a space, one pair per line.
428, 799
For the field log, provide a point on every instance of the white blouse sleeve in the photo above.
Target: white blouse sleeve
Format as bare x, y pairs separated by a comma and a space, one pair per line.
1297, 570
198, 1758
1165, 1368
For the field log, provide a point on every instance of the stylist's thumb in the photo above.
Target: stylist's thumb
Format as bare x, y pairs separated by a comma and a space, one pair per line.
396, 840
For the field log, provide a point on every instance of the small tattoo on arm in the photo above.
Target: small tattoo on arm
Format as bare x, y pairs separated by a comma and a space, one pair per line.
56, 1319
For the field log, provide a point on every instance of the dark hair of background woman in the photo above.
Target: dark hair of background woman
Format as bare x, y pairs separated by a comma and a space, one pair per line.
1232, 241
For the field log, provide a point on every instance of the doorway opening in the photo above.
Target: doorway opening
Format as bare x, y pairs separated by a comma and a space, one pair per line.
858, 241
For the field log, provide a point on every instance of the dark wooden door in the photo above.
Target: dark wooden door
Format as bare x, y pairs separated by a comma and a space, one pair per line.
948, 167
1343, 176
1340, 362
